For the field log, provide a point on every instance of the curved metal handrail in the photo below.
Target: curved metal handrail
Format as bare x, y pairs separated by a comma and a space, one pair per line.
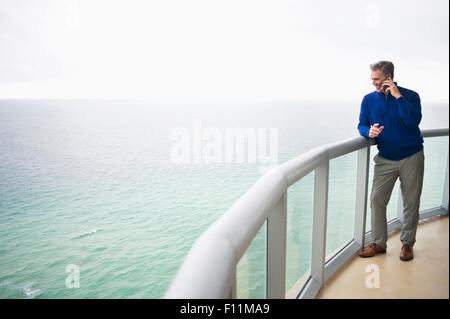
209, 268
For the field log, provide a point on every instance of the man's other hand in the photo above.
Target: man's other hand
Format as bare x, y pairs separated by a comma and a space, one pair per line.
375, 130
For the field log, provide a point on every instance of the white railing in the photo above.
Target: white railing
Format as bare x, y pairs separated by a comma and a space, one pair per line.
209, 270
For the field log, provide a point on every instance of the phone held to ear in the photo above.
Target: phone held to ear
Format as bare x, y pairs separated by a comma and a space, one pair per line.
383, 89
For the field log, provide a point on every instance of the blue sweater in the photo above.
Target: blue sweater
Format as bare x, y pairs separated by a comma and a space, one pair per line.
401, 136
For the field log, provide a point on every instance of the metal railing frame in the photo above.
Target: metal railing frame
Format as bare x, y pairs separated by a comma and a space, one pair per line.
209, 269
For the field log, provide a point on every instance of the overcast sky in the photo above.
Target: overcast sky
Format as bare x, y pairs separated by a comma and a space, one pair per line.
258, 50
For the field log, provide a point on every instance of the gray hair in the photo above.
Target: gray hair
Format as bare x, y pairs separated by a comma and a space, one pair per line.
386, 67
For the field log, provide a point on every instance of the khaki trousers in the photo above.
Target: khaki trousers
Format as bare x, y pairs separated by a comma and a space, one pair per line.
410, 171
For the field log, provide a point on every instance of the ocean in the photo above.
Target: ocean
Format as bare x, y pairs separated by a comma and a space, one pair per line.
104, 199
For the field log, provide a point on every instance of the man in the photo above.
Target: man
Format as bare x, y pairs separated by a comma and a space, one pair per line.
391, 115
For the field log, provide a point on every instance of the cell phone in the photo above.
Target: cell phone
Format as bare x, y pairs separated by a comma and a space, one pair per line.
383, 89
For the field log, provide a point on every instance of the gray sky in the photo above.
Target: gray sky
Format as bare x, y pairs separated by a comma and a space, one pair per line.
260, 50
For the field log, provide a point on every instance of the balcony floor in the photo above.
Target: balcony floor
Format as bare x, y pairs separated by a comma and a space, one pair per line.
425, 276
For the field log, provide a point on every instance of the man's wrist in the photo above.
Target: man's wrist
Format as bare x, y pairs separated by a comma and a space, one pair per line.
398, 96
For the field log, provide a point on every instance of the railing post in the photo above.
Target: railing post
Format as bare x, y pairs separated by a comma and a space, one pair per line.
276, 250
362, 182
445, 195
320, 222
233, 292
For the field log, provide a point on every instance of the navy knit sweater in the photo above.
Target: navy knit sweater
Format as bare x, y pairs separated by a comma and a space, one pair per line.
401, 136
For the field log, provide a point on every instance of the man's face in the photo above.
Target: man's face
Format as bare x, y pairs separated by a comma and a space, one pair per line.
377, 79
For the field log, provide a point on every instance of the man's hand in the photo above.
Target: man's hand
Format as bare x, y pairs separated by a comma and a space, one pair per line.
392, 88
375, 130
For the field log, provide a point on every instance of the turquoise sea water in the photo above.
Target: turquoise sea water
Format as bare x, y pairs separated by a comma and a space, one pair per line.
93, 184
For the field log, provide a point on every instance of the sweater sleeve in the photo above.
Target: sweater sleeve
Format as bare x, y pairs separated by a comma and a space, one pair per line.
410, 110
364, 123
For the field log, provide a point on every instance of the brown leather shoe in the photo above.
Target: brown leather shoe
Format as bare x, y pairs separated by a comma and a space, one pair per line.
406, 253
371, 250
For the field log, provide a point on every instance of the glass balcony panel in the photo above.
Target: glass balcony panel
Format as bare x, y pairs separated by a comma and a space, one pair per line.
341, 201
252, 268
300, 199
435, 152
